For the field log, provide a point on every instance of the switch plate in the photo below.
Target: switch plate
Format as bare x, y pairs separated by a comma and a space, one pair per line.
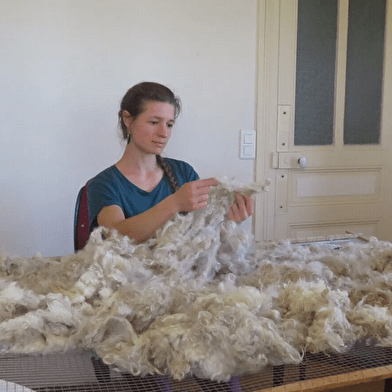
247, 144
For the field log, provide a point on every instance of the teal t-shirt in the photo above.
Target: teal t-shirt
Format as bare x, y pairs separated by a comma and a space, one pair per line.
111, 187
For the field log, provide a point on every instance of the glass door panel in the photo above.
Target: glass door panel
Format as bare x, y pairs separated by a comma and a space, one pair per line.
364, 71
315, 73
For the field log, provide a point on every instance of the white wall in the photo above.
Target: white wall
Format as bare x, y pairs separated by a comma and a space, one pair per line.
64, 67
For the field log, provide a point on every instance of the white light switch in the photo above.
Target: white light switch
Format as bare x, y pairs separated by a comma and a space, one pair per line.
248, 139
247, 144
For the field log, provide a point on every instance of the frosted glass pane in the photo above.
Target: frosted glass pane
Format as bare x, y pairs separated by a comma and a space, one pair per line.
365, 52
315, 78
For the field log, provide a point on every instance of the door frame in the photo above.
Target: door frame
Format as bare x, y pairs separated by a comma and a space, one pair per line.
266, 114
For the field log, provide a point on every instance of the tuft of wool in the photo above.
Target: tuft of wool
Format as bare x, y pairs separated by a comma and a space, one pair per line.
201, 297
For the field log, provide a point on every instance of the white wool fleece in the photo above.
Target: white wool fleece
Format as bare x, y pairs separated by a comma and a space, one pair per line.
201, 297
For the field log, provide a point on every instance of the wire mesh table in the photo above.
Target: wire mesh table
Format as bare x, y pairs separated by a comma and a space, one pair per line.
83, 371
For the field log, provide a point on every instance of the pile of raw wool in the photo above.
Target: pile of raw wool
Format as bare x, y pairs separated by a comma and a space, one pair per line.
201, 297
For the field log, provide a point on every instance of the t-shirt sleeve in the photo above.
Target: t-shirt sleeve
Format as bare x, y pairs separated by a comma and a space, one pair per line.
100, 194
193, 176
183, 172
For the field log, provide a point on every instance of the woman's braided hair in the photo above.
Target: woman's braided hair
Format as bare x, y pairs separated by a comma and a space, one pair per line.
134, 103
168, 172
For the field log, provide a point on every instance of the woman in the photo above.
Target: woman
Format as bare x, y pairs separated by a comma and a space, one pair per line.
143, 191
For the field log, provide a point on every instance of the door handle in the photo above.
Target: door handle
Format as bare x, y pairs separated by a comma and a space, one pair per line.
303, 162
288, 160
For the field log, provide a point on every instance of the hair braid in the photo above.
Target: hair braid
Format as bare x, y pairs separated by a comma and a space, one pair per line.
168, 172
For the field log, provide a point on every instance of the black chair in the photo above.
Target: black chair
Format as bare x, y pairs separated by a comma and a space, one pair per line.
81, 220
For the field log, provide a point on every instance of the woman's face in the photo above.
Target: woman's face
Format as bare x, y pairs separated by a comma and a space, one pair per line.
151, 130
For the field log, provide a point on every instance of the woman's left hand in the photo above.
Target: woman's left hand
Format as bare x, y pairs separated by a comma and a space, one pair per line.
241, 209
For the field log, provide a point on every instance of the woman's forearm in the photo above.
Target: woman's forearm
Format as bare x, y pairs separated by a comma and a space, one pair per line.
190, 197
143, 226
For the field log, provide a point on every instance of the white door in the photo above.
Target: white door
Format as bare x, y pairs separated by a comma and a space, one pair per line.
333, 126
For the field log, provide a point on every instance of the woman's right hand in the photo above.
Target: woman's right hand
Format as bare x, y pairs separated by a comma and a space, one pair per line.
194, 195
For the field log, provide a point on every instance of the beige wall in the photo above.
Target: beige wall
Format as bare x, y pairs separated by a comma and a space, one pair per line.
65, 65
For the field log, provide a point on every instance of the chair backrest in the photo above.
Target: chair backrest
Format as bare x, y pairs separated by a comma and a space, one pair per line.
81, 219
